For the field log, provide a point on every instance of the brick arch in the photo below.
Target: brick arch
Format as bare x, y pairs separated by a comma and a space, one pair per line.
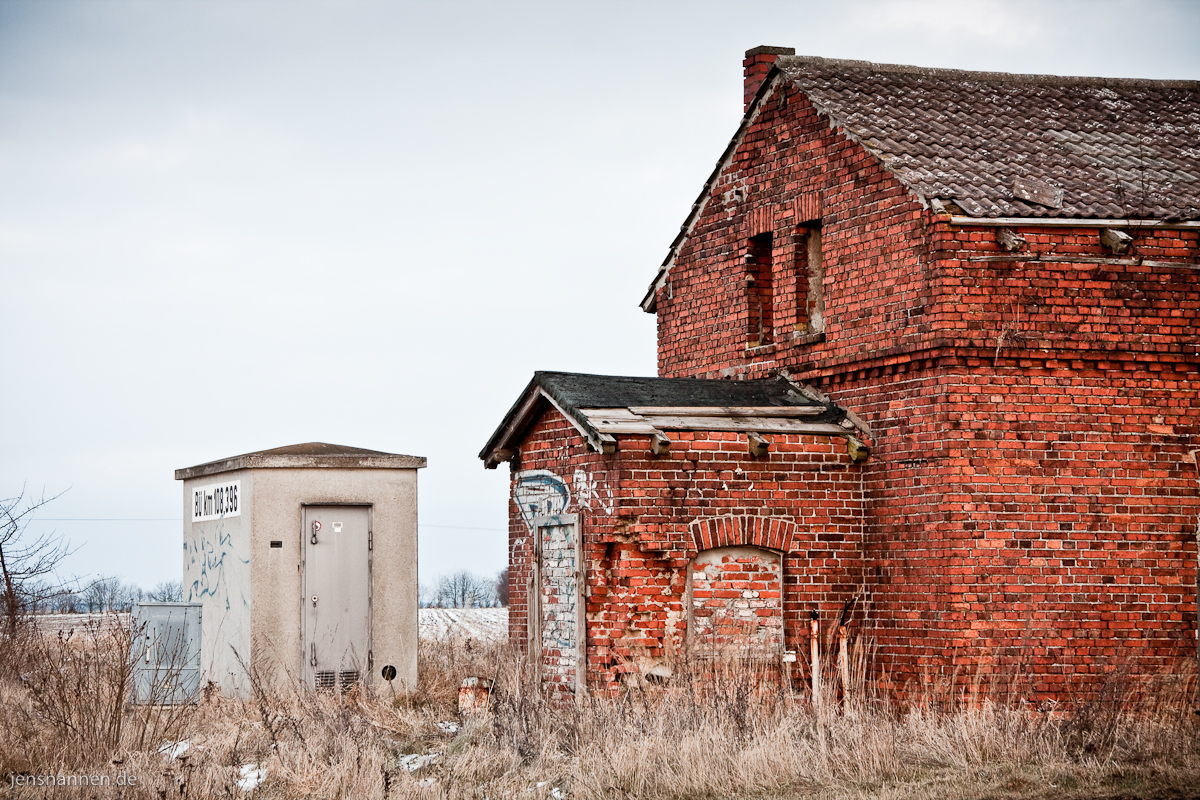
770, 533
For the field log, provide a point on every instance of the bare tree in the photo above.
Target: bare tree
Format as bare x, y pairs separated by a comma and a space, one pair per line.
69, 602
130, 593
166, 592
502, 587
105, 593
27, 563
465, 590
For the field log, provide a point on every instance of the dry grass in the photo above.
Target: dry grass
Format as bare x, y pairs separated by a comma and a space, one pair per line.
726, 734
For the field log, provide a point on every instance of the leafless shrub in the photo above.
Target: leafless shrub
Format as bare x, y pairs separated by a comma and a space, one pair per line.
711, 728
27, 562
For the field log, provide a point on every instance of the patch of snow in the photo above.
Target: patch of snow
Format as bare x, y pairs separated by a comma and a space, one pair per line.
173, 750
447, 727
252, 776
414, 762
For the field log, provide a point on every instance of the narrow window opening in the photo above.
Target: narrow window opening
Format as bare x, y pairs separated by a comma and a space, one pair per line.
810, 277
760, 290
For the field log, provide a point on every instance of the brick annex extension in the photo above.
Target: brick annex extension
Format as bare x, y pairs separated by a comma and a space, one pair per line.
927, 339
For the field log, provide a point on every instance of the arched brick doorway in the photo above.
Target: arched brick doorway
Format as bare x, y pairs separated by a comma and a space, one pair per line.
735, 602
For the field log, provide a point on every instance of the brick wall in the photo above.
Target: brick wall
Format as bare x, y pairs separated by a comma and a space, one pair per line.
736, 601
644, 518
1031, 497
875, 284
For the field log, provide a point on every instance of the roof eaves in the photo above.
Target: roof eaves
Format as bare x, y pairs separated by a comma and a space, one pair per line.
514, 423
524, 412
269, 461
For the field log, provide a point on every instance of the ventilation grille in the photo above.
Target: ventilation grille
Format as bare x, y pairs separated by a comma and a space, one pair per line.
327, 680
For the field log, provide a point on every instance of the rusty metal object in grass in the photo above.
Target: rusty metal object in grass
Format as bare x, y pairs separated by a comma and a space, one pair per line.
474, 697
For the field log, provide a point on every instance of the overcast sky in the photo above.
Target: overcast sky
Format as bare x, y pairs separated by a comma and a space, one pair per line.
227, 227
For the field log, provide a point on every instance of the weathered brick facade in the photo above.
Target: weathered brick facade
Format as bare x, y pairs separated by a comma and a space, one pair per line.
644, 518
1030, 502
1032, 489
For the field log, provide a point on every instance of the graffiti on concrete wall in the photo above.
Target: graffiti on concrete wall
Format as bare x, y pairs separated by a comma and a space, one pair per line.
589, 490
540, 493
210, 560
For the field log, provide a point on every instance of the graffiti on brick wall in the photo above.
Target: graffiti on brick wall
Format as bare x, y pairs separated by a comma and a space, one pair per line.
558, 608
540, 493
589, 490
737, 600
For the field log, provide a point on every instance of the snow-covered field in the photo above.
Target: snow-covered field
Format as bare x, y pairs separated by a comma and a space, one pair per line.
436, 623
477, 623
79, 623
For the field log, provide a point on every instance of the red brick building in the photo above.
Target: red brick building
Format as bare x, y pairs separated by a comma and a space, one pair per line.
992, 281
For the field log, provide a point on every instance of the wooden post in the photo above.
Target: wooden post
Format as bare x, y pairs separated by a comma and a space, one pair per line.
815, 644
844, 664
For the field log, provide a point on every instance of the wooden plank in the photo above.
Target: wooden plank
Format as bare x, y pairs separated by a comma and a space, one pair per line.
727, 411
609, 413
1035, 191
623, 427
643, 427
773, 425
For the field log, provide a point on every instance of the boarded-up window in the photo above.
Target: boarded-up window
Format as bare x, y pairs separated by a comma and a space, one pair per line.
810, 278
760, 290
736, 599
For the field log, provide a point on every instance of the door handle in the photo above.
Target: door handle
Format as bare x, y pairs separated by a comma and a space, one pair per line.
313, 660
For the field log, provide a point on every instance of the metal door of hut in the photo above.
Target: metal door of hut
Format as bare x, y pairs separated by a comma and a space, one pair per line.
336, 616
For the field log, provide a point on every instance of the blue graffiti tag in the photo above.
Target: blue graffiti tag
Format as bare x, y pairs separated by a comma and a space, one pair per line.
210, 557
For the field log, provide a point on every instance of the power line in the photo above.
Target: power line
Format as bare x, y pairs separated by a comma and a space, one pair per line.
458, 527
176, 519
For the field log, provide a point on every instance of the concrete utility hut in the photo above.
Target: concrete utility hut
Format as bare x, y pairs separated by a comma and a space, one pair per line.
305, 560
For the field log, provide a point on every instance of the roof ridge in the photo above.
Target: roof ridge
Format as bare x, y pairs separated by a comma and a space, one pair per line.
782, 62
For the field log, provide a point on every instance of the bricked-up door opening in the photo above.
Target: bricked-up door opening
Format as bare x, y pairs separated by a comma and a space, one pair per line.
336, 604
735, 602
760, 290
556, 616
810, 280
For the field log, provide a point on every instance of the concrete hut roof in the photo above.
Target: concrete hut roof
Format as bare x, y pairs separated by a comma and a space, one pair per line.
602, 406
312, 455
1000, 145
